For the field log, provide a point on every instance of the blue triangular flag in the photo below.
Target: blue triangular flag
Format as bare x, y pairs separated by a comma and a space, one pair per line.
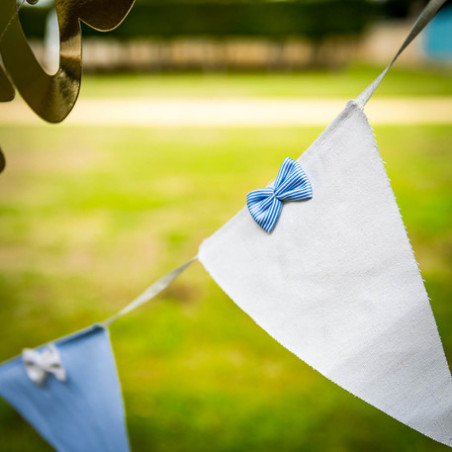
82, 408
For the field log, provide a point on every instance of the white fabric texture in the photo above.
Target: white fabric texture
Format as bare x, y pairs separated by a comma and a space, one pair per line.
337, 284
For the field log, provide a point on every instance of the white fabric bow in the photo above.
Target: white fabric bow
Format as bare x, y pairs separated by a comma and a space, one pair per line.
39, 364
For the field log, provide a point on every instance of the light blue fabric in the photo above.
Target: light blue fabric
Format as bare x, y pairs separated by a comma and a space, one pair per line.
84, 413
291, 184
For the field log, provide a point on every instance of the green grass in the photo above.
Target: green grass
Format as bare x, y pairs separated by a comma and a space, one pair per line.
347, 83
90, 217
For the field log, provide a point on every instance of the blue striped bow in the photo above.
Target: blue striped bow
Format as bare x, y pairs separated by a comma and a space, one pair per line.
291, 184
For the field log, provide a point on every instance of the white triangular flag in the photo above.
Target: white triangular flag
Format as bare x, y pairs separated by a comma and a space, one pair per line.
337, 284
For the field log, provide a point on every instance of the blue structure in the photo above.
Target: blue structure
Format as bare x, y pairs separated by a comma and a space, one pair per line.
438, 36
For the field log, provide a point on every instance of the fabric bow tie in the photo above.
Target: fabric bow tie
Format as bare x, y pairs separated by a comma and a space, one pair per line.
291, 184
39, 365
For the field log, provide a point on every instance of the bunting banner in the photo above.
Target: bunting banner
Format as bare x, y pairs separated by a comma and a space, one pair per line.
320, 259
337, 284
69, 392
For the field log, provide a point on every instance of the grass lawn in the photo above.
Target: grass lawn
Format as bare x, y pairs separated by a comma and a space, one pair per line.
347, 83
90, 217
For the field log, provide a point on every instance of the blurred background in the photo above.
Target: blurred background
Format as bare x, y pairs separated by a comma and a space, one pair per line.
185, 108
241, 35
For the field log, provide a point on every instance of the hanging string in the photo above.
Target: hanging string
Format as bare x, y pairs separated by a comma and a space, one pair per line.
152, 291
427, 14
